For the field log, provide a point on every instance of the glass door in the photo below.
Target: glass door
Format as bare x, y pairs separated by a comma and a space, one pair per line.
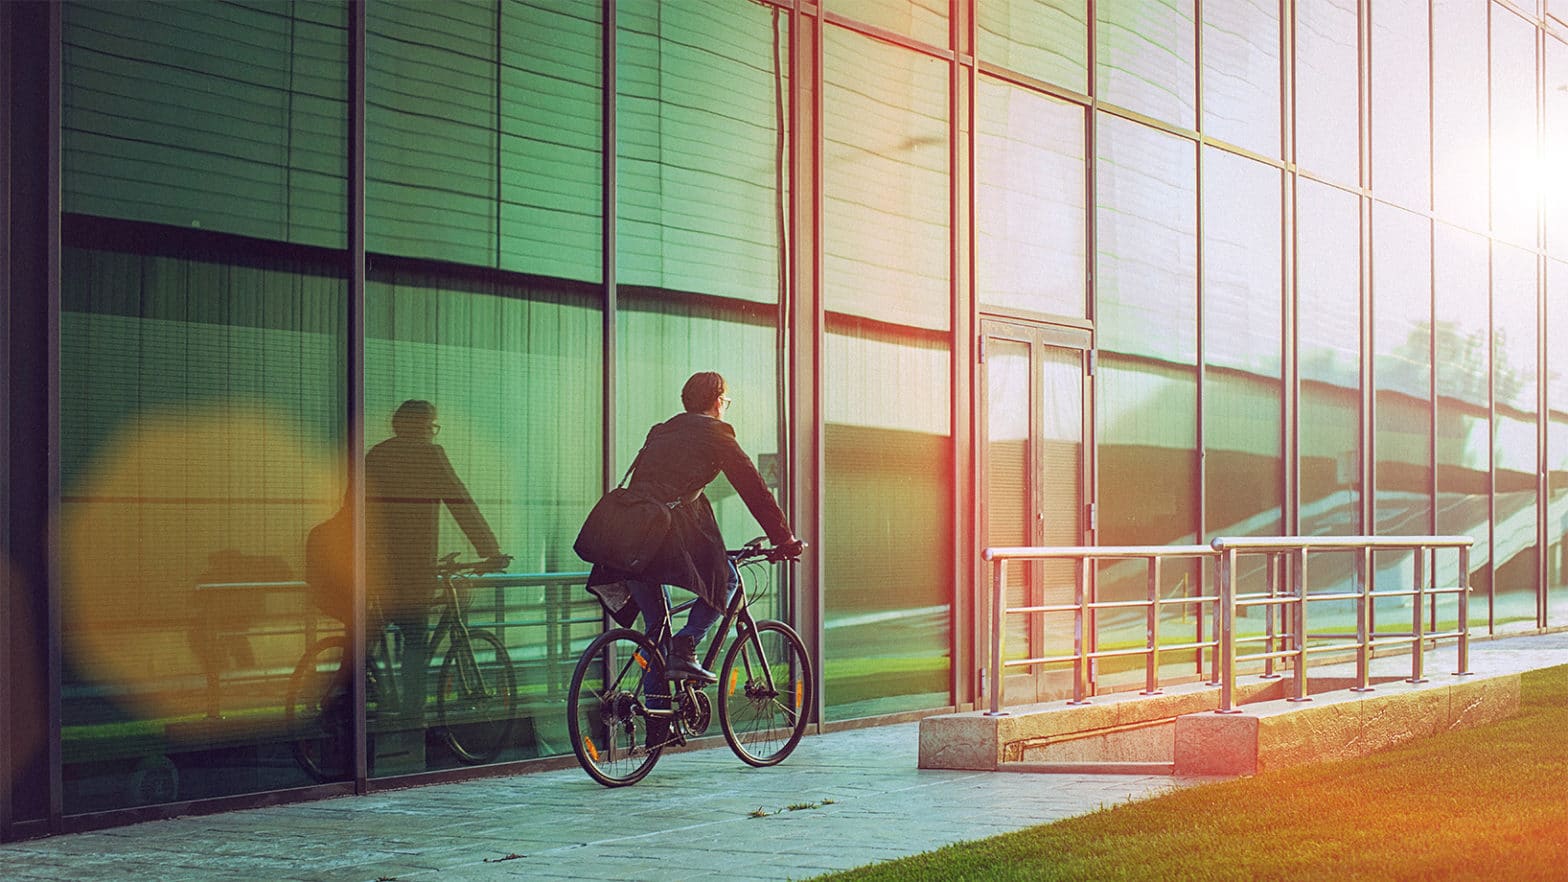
1034, 481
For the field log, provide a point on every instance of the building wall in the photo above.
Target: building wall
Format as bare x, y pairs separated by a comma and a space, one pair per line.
1321, 245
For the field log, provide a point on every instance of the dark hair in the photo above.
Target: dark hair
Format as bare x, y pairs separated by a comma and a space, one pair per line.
412, 414
701, 390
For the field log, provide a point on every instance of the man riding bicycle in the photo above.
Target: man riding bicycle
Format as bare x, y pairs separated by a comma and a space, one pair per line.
681, 456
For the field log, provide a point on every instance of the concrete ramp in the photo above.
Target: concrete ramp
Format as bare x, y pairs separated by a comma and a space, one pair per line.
1179, 731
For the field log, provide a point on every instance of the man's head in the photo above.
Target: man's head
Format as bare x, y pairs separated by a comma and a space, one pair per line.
704, 393
414, 419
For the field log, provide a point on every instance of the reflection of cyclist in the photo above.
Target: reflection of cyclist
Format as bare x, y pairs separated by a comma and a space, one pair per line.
681, 456
407, 479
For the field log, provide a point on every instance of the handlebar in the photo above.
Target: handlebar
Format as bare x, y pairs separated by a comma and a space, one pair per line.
451, 566
756, 550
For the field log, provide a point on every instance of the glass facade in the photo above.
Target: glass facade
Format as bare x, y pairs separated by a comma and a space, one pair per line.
286, 228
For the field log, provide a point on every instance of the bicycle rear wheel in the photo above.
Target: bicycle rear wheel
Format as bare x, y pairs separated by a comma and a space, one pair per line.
476, 702
318, 712
765, 693
605, 710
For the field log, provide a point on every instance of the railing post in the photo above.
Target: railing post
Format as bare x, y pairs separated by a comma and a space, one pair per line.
1269, 612
1151, 675
1464, 611
1418, 647
1226, 631
1364, 622
1298, 578
998, 605
1081, 619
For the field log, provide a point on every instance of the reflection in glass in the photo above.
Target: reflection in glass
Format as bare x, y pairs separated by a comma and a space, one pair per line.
1145, 51
1514, 389
1459, 109
885, 174
1463, 369
201, 423
1557, 449
1029, 202
1241, 74
1400, 86
924, 20
198, 116
514, 376
1327, 95
1554, 190
1044, 39
1328, 287
1242, 320
702, 111
1401, 371
1146, 398
482, 146
887, 432
1009, 497
1517, 172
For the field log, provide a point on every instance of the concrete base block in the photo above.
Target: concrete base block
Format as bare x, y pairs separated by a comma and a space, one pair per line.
1337, 725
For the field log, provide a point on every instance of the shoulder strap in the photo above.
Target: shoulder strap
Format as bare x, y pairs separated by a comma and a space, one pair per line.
629, 469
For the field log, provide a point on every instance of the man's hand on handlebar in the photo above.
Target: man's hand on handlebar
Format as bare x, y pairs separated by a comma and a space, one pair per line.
787, 551
495, 563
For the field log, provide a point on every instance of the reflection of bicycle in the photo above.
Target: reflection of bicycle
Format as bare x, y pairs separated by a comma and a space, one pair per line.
476, 695
764, 691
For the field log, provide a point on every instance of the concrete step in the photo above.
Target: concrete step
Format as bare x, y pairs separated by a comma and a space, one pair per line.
1090, 768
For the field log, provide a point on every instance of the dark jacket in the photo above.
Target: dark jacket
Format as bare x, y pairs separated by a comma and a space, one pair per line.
681, 456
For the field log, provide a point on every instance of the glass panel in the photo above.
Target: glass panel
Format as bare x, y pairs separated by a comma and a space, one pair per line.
1145, 51
1146, 405
1059, 455
1327, 94
550, 138
1044, 39
1464, 437
1241, 74
1517, 174
924, 20
1557, 447
1242, 321
886, 182
1009, 505
1328, 289
1401, 370
513, 377
1555, 173
887, 491
201, 426
702, 111
219, 116
1459, 108
1400, 148
1514, 388
1030, 201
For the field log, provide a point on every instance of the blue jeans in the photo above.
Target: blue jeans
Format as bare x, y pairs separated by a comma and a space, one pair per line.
654, 601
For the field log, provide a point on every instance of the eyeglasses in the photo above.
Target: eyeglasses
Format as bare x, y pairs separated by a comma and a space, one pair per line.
726, 400
435, 428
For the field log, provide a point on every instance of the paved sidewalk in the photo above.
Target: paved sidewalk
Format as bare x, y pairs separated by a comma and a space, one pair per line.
690, 819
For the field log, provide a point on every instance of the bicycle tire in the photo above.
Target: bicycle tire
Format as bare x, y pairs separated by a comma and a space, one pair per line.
477, 707
763, 721
320, 731
604, 708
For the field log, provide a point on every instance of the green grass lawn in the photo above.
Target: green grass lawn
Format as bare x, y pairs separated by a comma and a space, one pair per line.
1486, 803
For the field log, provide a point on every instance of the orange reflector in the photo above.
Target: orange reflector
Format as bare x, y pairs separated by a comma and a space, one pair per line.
799, 695
592, 751
641, 662
734, 678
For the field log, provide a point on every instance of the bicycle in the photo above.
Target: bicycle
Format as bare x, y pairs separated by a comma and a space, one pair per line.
476, 694
766, 689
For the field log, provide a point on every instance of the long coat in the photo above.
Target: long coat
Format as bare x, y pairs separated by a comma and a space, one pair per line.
681, 456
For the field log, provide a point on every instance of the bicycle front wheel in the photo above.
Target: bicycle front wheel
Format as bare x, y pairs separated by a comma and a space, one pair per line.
765, 693
318, 712
606, 717
477, 700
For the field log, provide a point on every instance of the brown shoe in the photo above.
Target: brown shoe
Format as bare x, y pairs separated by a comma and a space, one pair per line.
682, 663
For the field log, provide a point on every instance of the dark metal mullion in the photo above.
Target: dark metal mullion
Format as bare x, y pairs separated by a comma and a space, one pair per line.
818, 306
52, 438
355, 437
1201, 348
1431, 272
1542, 353
1290, 379
7, 711
961, 364
1491, 349
608, 197
1368, 440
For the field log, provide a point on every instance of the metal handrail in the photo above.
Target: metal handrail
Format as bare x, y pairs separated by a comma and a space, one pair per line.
1292, 596
1084, 603
1295, 599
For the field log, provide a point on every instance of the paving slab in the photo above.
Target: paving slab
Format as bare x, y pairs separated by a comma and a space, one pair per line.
690, 819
